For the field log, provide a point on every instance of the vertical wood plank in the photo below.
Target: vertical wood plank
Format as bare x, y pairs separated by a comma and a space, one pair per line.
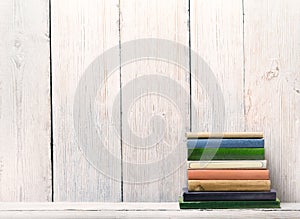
151, 113
272, 54
25, 165
82, 30
217, 36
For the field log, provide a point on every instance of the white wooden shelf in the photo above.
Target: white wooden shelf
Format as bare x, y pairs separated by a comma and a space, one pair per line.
136, 210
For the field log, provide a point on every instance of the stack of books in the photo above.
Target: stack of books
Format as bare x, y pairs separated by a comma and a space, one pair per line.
227, 170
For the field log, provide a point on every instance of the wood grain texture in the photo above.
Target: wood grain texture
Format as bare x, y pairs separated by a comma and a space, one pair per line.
262, 94
272, 79
114, 206
82, 30
165, 177
25, 173
136, 210
217, 36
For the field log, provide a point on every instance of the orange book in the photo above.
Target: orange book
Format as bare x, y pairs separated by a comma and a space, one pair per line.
228, 174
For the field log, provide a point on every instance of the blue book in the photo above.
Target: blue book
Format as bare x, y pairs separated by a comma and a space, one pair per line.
225, 143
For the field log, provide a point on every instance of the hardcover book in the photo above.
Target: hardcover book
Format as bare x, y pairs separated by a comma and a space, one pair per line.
228, 204
225, 143
226, 154
191, 135
228, 185
229, 196
227, 164
228, 174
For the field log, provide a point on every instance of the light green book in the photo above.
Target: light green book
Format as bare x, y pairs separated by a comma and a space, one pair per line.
226, 154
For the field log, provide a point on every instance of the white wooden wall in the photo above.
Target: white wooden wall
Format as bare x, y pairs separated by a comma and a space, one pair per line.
251, 46
25, 124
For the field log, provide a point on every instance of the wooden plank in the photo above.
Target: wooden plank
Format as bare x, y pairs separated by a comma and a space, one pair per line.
113, 206
89, 206
135, 210
149, 214
272, 54
154, 123
25, 173
217, 37
83, 30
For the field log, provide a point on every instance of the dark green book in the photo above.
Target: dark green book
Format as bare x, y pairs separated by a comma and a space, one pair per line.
228, 204
226, 154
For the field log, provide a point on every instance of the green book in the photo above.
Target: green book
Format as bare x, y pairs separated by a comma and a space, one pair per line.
226, 154
228, 204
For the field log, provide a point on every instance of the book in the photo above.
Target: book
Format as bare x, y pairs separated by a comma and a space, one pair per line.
191, 135
228, 196
228, 185
225, 143
228, 174
227, 164
226, 154
228, 204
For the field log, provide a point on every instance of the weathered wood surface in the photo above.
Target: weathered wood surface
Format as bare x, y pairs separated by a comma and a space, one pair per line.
81, 31
25, 165
217, 36
254, 58
272, 84
136, 210
157, 118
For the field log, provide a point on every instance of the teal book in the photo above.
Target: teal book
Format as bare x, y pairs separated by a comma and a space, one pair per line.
228, 204
226, 154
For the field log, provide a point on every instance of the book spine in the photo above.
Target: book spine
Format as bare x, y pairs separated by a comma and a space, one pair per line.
228, 204
191, 135
226, 154
229, 196
229, 185
228, 174
227, 164
225, 143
